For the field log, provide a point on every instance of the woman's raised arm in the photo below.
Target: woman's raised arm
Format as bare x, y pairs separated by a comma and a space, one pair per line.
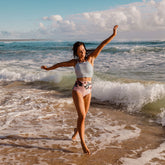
96, 52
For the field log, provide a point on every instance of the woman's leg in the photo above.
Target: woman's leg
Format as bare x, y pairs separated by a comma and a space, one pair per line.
87, 101
80, 107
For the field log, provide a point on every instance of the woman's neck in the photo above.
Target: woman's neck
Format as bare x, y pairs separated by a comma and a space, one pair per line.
82, 60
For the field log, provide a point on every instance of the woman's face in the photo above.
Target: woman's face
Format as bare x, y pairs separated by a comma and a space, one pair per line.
81, 52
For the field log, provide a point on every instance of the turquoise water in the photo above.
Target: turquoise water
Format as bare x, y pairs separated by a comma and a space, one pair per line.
128, 75
130, 60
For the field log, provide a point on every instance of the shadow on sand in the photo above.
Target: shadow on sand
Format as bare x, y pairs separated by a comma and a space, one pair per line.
33, 147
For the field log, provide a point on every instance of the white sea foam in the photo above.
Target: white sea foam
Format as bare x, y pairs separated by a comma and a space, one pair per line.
161, 117
30, 75
36, 112
23, 106
147, 157
129, 96
107, 131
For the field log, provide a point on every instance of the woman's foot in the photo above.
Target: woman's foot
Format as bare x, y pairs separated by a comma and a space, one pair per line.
85, 149
75, 134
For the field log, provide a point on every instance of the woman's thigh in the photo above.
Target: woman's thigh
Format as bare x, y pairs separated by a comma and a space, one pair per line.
87, 101
79, 103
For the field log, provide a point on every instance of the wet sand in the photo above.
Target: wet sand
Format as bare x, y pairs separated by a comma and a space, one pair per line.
124, 141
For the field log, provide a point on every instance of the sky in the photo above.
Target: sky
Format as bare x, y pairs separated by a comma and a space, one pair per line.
70, 20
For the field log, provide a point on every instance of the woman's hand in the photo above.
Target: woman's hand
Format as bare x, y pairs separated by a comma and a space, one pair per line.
115, 29
44, 67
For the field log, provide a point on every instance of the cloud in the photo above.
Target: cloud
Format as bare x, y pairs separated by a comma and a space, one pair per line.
159, 17
5, 33
140, 20
141, 17
53, 18
57, 24
42, 26
135, 16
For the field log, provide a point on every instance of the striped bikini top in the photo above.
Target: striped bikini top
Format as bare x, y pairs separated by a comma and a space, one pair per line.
84, 69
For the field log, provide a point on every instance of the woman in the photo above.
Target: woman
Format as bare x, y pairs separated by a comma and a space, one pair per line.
81, 92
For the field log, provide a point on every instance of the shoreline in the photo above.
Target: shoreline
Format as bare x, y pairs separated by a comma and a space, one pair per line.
113, 137
146, 112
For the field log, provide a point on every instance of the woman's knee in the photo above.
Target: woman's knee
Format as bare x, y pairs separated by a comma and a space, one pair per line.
81, 117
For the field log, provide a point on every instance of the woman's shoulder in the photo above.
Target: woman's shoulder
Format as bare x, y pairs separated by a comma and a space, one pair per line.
73, 61
90, 59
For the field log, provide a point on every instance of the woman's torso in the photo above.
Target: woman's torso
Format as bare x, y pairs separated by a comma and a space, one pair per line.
84, 70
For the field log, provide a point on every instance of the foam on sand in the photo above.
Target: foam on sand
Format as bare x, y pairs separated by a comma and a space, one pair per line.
148, 157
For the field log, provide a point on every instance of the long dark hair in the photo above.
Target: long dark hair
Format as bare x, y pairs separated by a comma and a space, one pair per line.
75, 47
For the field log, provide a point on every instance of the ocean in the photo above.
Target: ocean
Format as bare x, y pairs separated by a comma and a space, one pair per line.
125, 123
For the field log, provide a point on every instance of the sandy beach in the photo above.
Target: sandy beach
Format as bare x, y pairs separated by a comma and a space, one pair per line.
43, 136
